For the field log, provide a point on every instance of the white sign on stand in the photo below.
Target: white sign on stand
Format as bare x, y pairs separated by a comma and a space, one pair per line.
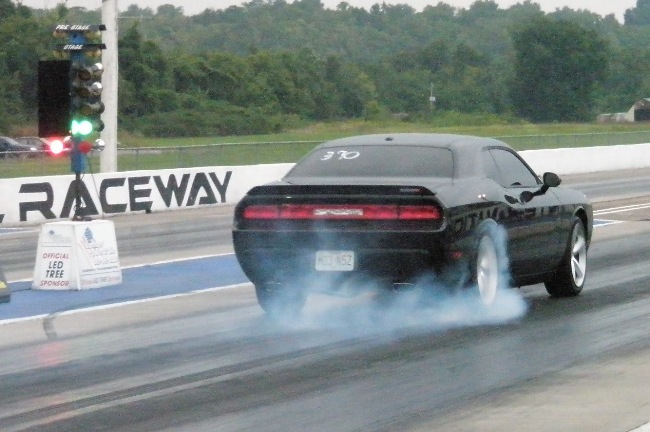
76, 255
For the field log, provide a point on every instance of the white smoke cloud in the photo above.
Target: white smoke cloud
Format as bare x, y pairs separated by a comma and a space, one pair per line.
416, 310
427, 305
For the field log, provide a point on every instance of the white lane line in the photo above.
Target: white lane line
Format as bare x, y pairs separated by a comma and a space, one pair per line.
642, 428
605, 222
622, 209
124, 303
178, 260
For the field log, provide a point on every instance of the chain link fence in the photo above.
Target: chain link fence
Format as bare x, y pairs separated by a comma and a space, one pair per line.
532, 142
231, 154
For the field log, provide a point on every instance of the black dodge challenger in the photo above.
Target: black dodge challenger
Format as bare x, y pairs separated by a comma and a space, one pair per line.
392, 209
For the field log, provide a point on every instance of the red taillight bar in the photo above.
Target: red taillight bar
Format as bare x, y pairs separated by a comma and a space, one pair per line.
343, 212
419, 212
262, 212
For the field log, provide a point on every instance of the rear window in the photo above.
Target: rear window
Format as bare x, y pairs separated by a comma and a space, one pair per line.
376, 161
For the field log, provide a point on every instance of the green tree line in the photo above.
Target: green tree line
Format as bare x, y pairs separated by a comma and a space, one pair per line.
269, 64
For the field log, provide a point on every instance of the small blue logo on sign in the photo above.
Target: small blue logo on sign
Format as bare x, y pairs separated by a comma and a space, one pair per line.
88, 234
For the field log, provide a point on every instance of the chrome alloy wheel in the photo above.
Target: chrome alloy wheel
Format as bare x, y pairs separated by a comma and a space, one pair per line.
487, 270
578, 254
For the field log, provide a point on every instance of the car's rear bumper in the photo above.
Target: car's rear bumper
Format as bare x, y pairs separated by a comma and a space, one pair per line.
398, 257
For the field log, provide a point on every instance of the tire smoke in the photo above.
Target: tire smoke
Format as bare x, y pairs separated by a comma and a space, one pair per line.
427, 305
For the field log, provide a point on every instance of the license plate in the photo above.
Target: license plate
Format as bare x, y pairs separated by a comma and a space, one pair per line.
334, 260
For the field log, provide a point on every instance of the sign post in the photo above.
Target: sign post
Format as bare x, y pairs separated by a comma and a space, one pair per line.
5, 291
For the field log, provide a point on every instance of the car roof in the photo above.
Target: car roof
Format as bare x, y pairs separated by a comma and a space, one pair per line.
466, 149
8, 139
29, 139
451, 141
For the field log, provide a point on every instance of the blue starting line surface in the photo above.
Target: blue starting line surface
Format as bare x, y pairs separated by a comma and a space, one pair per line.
149, 281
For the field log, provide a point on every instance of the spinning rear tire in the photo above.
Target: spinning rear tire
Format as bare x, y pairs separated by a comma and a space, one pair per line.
490, 264
487, 273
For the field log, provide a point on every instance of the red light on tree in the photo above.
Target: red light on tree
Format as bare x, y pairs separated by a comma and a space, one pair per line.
56, 147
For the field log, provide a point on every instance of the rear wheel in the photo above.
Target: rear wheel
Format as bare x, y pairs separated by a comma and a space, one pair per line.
487, 271
280, 300
489, 264
570, 275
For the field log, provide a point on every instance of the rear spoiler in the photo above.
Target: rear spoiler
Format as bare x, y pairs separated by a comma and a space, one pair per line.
288, 189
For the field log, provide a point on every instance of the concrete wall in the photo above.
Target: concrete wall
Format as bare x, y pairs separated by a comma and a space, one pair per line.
583, 160
34, 200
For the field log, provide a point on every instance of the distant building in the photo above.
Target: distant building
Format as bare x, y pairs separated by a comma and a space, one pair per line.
640, 112
612, 118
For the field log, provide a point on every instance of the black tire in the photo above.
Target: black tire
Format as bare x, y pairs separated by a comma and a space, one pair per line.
489, 266
569, 278
280, 300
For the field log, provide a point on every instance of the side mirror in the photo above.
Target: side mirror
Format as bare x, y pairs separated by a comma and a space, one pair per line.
551, 179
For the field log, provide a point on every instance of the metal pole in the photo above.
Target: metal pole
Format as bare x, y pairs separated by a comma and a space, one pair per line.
79, 211
108, 158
